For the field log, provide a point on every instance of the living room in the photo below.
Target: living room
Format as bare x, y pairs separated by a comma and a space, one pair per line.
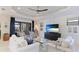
65, 19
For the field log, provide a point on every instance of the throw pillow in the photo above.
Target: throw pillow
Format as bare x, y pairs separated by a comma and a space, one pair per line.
29, 39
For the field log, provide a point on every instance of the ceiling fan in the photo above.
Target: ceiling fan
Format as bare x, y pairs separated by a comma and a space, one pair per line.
38, 10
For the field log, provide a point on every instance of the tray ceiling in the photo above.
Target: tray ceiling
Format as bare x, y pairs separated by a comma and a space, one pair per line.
25, 11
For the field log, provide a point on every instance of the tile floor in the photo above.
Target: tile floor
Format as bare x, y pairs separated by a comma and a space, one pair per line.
4, 46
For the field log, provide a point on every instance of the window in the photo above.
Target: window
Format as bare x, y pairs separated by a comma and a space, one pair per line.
20, 27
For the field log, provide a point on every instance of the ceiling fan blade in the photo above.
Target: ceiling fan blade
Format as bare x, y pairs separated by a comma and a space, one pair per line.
41, 10
45, 9
31, 9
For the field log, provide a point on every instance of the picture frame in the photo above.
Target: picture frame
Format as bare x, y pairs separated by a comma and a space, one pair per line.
73, 21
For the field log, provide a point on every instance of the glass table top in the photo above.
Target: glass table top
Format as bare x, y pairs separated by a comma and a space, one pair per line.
47, 48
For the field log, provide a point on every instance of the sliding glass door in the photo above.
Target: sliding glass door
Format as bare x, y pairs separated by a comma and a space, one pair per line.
20, 27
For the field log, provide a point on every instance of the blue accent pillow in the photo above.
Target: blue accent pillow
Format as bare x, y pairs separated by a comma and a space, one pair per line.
29, 39
29, 42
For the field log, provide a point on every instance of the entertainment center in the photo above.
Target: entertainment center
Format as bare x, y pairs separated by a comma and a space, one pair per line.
52, 32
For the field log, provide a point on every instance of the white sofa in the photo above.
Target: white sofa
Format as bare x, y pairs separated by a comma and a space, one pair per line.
18, 44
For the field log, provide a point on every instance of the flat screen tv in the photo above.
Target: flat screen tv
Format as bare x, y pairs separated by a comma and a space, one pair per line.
52, 28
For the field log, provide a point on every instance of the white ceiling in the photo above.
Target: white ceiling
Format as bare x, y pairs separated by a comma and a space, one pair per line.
24, 11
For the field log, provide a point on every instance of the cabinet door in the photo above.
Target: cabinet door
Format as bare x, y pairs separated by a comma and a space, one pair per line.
6, 37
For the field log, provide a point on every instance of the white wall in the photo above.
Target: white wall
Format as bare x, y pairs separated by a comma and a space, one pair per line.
61, 18
4, 20
23, 19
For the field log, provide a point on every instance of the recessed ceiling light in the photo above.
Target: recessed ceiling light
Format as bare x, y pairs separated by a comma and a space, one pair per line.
18, 8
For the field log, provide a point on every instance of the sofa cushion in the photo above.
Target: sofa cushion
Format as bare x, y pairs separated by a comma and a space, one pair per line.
30, 48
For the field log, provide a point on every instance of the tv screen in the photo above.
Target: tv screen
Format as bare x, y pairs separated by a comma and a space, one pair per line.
52, 28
